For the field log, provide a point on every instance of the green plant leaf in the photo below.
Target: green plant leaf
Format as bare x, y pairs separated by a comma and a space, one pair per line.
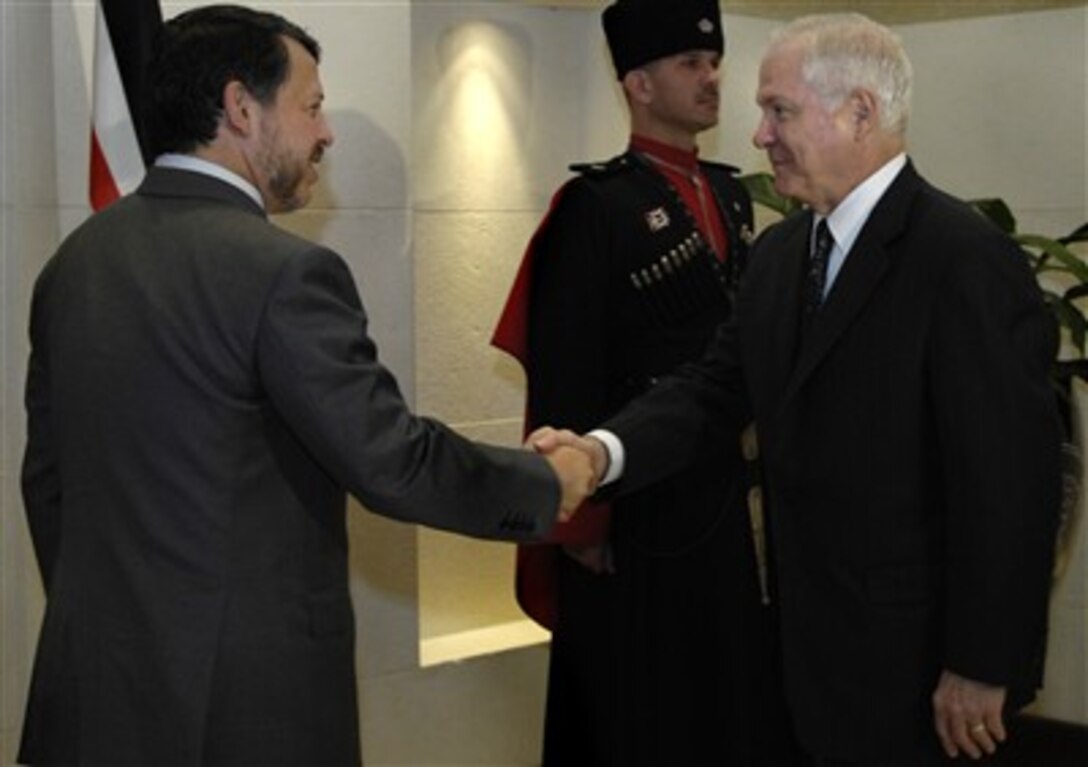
1070, 318
1078, 235
1069, 261
760, 187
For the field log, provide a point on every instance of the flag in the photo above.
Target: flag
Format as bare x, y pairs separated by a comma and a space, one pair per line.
124, 31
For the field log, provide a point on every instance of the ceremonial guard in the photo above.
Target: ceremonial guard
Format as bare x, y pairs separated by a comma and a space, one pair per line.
664, 638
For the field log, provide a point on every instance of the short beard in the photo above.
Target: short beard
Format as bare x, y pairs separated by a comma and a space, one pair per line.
284, 183
285, 177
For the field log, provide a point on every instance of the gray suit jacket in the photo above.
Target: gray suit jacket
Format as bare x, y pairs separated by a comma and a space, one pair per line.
202, 394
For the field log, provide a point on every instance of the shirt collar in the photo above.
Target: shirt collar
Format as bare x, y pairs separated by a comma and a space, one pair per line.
208, 168
687, 159
850, 215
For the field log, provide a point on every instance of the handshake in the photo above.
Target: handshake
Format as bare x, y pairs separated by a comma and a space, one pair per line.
579, 462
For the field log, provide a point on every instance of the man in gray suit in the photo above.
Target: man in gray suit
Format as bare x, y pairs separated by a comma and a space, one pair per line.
202, 393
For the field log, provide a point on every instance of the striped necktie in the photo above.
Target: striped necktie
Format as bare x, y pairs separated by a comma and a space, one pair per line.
822, 243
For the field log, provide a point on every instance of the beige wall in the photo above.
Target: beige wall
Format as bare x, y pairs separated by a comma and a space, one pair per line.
28, 229
455, 122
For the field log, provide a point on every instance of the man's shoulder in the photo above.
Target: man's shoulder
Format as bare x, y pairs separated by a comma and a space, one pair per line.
620, 165
627, 163
605, 184
772, 240
206, 215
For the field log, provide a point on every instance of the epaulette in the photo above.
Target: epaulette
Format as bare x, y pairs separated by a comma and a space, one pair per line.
619, 164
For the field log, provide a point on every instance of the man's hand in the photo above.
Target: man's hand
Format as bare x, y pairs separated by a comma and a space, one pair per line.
546, 439
967, 715
577, 478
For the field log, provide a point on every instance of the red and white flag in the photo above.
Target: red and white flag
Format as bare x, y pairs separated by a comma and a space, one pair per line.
124, 31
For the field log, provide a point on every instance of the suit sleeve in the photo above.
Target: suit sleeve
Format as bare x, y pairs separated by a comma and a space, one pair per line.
321, 370
999, 437
40, 479
664, 430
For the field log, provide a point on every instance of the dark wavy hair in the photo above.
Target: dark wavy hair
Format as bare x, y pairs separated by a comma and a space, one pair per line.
197, 53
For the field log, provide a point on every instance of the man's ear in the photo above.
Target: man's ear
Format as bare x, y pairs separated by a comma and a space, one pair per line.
239, 108
864, 111
638, 86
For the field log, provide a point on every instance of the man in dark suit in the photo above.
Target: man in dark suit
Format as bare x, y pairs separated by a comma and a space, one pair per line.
202, 392
897, 367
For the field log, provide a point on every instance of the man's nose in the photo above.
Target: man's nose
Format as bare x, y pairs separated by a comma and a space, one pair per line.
764, 136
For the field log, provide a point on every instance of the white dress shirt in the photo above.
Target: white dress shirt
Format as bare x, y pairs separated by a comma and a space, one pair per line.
850, 215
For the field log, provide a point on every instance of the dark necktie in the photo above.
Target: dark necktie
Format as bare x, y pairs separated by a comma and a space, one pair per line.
822, 242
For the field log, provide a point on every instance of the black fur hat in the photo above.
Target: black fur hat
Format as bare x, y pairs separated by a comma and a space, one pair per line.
640, 31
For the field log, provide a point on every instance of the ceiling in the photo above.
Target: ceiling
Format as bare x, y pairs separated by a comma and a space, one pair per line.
885, 11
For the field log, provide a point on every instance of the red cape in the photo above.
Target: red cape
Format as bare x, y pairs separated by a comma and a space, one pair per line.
535, 582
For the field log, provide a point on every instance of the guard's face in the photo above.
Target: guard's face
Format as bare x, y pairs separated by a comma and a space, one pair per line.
810, 146
293, 136
683, 90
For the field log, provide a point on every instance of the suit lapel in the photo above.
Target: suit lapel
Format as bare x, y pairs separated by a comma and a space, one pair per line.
865, 267
773, 309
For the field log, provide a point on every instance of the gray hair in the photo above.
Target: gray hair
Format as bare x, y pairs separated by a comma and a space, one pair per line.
847, 51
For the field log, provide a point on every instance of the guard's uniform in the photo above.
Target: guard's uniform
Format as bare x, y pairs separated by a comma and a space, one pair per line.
671, 658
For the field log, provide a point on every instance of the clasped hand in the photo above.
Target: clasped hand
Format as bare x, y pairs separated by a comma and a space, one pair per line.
578, 461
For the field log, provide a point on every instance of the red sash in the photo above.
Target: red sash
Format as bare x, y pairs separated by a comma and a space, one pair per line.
535, 582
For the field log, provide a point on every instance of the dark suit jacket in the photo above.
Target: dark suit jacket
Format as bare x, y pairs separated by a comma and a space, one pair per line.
911, 450
202, 393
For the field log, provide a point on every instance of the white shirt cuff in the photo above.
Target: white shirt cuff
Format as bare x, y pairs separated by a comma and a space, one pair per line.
614, 448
